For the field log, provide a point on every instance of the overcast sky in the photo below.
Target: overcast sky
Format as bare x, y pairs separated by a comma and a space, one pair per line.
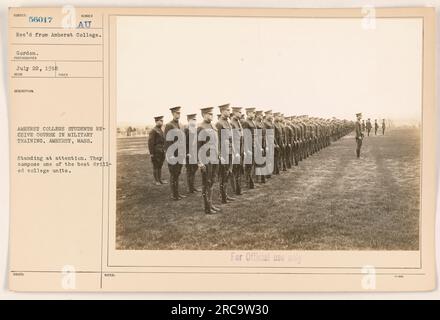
320, 67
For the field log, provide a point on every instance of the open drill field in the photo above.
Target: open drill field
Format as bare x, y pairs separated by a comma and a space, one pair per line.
330, 201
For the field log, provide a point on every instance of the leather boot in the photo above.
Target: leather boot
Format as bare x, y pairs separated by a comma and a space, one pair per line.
159, 175
180, 196
175, 190
238, 188
188, 182
207, 204
155, 176
194, 189
214, 208
223, 193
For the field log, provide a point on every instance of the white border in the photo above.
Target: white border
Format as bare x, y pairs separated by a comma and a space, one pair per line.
4, 148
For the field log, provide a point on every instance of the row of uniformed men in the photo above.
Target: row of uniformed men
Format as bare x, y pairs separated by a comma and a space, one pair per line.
295, 138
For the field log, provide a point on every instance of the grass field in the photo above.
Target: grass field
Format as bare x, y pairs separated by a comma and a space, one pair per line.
331, 201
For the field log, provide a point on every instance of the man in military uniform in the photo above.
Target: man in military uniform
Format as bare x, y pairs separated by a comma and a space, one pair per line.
300, 138
376, 126
368, 126
225, 165
292, 141
250, 125
296, 140
359, 134
156, 143
279, 143
363, 125
191, 145
288, 134
208, 169
175, 169
383, 126
238, 135
268, 125
284, 144
260, 143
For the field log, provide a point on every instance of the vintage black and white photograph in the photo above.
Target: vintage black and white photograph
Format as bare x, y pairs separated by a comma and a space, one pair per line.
268, 133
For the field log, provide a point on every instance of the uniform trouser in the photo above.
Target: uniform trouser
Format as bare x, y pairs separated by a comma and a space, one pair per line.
208, 177
368, 132
288, 157
236, 178
260, 177
175, 170
270, 163
276, 160
283, 158
308, 148
224, 174
358, 147
295, 154
157, 161
375, 131
191, 170
383, 131
248, 170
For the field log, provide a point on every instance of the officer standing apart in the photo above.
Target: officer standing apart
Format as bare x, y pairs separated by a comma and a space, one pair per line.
208, 168
369, 126
175, 169
156, 143
359, 134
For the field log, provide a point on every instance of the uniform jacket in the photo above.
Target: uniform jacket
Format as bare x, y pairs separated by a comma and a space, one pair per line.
250, 125
224, 124
359, 134
208, 126
156, 141
169, 126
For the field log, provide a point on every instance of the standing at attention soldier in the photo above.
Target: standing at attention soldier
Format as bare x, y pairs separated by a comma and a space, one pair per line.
238, 134
250, 125
383, 126
268, 125
191, 145
369, 126
261, 143
208, 169
376, 126
156, 143
225, 165
359, 134
175, 169
279, 143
